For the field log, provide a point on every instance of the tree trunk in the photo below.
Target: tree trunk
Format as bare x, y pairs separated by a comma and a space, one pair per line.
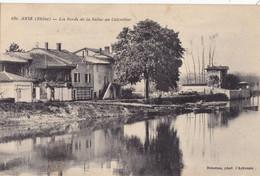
146, 88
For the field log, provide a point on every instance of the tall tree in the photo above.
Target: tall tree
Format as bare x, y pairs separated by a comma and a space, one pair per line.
149, 52
14, 47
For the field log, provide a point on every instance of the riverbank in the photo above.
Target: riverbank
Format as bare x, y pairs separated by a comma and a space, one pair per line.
23, 120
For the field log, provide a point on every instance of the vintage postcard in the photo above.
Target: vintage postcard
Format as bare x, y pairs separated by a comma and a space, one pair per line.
98, 89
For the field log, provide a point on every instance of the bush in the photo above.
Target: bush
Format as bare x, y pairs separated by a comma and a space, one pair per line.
128, 94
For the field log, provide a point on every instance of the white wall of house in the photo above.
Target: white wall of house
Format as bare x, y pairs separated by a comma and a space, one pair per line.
62, 94
102, 73
20, 91
7, 90
80, 72
37, 93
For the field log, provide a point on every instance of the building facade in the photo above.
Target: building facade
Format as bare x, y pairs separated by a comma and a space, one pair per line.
59, 75
82, 81
102, 73
15, 86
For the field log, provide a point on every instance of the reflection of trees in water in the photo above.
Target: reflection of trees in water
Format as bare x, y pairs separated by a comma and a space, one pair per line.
158, 156
236, 108
223, 117
232, 113
55, 151
52, 156
154, 156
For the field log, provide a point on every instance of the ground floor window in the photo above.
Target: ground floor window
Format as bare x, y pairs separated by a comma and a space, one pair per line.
81, 93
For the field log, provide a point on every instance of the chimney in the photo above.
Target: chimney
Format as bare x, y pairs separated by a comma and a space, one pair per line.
58, 46
46, 45
100, 49
107, 49
83, 53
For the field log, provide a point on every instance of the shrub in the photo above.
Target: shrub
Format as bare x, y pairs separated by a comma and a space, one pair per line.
128, 94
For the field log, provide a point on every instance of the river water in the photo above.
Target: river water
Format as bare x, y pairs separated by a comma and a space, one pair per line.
220, 143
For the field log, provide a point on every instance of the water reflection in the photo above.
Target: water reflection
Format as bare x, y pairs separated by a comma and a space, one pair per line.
56, 154
110, 151
223, 138
172, 145
158, 154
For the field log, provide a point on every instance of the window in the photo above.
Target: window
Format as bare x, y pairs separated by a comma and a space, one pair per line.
67, 77
19, 93
97, 67
87, 78
76, 77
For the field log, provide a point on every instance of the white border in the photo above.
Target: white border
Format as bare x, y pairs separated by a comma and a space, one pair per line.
242, 2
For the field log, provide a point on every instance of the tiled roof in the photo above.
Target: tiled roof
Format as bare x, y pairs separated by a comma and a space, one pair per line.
43, 58
218, 68
15, 57
100, 56
21, 55
97, 51
95, 60
66, 55
44, 61
9, 77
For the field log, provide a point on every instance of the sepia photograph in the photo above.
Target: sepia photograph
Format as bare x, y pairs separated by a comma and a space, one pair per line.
129, 89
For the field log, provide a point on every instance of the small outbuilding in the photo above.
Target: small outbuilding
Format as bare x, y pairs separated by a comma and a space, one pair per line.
15, 86
216, 74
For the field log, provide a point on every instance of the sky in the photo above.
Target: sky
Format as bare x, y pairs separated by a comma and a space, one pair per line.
236, 27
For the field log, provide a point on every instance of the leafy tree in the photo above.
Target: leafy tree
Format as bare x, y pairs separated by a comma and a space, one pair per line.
149, 52
14, 47
230, 81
